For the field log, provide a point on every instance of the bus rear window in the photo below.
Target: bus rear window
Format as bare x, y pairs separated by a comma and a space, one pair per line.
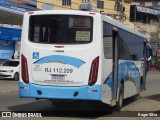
61, 29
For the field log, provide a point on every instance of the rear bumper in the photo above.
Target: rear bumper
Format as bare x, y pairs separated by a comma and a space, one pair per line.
58, 92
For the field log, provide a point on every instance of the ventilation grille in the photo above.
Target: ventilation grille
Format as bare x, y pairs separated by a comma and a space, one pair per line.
108, 51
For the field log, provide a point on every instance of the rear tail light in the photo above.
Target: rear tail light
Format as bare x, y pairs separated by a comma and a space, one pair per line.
30, 13
59, 46
24, 69
93, 72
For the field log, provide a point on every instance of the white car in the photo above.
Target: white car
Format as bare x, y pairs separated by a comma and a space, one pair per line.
10, 69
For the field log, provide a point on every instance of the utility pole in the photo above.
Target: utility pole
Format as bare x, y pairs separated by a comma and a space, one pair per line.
122, 12
70, 5
135, 16
158, 47
120, 8
158, 29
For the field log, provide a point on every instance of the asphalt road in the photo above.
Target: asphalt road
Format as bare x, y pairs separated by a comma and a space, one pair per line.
148, 103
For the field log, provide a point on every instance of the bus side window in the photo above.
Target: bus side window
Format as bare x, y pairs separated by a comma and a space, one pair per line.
107, 46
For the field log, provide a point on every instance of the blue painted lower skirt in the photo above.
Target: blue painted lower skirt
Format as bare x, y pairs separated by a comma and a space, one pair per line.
58, 92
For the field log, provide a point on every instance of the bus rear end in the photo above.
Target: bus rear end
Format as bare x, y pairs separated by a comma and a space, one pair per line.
60, 57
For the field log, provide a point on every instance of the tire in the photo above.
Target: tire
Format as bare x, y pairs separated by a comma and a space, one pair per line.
120, 99
142, 87
16, 76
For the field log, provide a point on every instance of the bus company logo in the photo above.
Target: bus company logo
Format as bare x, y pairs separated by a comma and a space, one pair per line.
6, 114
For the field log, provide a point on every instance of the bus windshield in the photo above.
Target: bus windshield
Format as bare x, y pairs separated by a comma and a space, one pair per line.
60, 29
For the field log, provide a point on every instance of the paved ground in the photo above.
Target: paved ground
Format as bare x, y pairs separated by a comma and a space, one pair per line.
149, 102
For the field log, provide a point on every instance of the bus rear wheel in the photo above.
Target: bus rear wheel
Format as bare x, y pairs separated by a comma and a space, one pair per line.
120, 99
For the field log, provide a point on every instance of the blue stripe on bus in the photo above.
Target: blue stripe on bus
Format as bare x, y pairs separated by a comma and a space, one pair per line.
61, 59
59, 92
127, 69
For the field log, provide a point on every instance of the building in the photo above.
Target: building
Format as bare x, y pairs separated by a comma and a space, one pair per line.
141, 15
144, 13
10, 37
139, 20
95, 5
10, 28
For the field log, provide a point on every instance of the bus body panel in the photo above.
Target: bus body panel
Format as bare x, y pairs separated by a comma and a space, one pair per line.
130, 72
60, 92
62, 68
62, 71
70, 66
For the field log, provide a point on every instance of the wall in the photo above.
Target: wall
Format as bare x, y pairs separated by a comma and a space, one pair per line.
108, 6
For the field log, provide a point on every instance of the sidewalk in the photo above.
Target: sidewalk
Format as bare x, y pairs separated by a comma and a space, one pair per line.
153, 72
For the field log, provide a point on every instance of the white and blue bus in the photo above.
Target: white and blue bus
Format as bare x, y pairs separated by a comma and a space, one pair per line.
80, 56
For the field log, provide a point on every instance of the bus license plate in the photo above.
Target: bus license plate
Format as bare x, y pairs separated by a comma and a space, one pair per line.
58, 78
